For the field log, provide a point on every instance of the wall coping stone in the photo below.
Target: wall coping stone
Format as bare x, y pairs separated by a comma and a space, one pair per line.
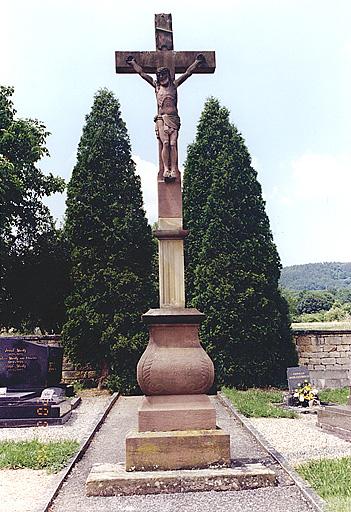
324, 332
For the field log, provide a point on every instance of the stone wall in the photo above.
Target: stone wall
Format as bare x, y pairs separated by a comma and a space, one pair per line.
327, 354
72, 374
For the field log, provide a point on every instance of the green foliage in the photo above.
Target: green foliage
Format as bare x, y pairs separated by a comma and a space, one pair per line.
313, 302
318, 306
232, 263
38, 281
337, 313
292, 298
343, 295
29, 243
111, 250
338, 396
317, 276
331, 479
51, 456
258, 403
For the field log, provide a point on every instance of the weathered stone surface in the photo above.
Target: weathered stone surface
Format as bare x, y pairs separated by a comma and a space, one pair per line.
151, 60
169, 199
176, 412
150, 451
171, 271
327, 354
174, 363
114, 480
336, 420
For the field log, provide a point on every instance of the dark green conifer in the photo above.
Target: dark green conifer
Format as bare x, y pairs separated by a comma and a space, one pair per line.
111, 250
232, 263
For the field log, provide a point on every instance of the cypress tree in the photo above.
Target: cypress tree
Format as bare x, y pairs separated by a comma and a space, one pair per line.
232, 263
111, 250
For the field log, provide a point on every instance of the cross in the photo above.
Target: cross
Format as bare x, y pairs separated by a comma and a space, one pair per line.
165, 56
166, 63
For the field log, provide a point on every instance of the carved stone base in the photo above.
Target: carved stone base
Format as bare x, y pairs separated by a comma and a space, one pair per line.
148, 451
176, 412
174, 363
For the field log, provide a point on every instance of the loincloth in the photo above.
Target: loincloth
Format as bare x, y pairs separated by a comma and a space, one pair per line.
171, 122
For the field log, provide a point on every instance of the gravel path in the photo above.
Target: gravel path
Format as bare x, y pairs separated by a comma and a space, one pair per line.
301, 440
25, 490
108, 446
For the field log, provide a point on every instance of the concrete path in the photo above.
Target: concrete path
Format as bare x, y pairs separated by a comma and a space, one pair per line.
108, 446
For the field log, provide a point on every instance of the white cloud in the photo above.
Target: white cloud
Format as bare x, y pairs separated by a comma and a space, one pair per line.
311, 211
322, 176
148, 175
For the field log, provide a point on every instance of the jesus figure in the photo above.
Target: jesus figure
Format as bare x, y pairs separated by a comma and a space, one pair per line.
167, 119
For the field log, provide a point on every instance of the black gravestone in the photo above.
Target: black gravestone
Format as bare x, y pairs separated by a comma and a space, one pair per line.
26, 365
297, 375
26, 369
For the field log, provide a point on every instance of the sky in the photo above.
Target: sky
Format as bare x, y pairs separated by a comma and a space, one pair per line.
283, 70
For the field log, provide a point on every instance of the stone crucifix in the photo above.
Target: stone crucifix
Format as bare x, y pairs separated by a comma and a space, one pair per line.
176, 419
165, 63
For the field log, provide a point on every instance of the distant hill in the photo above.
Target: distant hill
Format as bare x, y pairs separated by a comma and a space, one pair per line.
316, 276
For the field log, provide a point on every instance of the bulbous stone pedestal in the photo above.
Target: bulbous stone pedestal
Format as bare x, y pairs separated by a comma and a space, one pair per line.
176, 420
175, 372
174, 363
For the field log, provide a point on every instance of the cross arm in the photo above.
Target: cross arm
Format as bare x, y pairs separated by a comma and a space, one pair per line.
151, 61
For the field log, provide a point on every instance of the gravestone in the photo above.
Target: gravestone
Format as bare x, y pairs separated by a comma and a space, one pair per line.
296, 376
28, 365
30, 375
336, 419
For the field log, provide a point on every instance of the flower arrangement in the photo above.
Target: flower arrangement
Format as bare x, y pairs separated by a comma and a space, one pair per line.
304, 395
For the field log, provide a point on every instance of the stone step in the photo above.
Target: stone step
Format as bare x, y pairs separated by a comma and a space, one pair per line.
114, 480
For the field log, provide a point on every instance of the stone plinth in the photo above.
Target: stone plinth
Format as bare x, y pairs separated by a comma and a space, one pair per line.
174, 363
149, 451
176, 412
113, 480
169, 199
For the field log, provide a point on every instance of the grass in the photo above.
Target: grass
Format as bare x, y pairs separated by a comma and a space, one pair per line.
323, 326
51, 456
338, 396
258, 403
331, 480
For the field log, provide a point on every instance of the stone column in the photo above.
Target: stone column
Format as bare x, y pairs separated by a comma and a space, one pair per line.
176, 421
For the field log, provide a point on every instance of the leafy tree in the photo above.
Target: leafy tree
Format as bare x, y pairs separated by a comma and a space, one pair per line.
111, 250
317, 276
343, 295
26, 227
38, 283
232, 263
313, 302
292, 298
